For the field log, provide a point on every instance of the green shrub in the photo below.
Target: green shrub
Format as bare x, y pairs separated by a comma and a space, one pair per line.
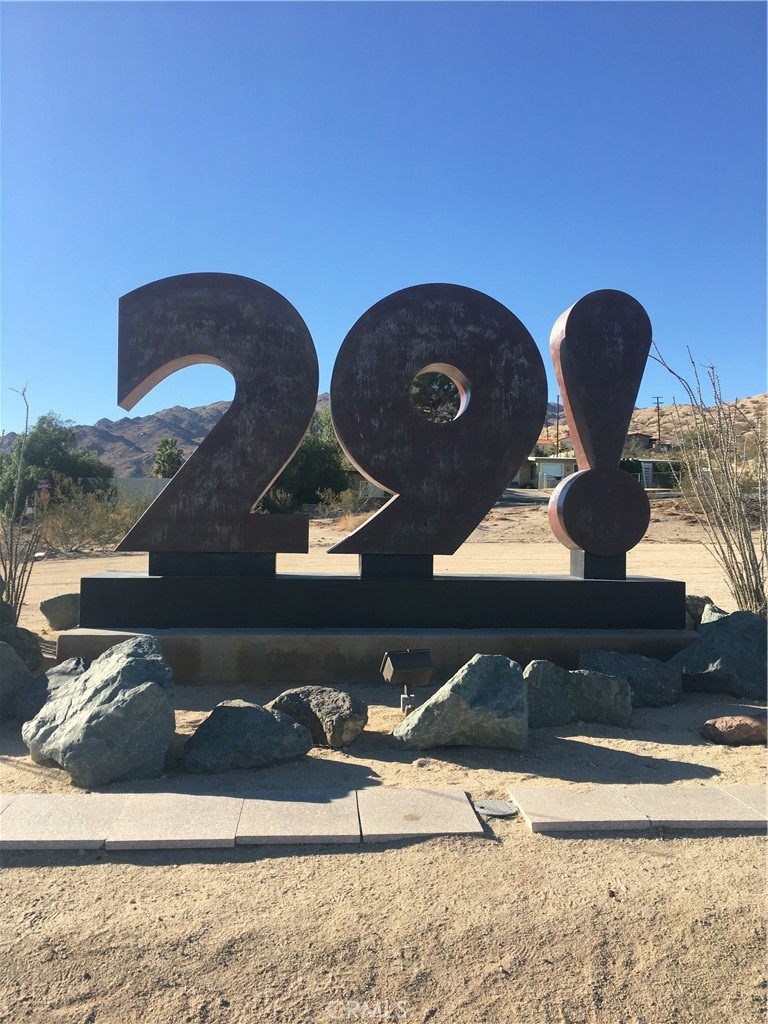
318, 466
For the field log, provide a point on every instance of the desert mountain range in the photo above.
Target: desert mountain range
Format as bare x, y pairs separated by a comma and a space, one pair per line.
129, 444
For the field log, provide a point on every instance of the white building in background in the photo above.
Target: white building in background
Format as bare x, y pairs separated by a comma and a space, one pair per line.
544, 471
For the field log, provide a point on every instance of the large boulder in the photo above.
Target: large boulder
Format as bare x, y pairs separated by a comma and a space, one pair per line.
134, 661
237, 734
14, 677
483, 705
652, 683
334, 718
736, 730
31, 698
557, 696
112, 722
25, 643
712, 613
62, 611
694, 608
729, 657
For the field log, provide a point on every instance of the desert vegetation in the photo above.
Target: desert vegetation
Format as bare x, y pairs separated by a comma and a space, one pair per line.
723, 472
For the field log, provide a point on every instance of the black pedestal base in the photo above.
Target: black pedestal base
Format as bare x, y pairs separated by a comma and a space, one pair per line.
135, 600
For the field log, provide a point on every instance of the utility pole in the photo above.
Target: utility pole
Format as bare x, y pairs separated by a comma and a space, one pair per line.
557, 426
657, 400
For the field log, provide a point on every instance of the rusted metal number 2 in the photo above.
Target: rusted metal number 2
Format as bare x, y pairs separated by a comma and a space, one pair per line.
443, 478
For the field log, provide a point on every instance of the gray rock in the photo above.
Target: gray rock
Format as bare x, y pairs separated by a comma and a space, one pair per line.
729, 657
237, 734
333, 718
652, 683
31, 698
111, 722
26, 645
557, 696
711, 613
694, 606
66, 670
483, 705
62, 612
14, 677
137, 660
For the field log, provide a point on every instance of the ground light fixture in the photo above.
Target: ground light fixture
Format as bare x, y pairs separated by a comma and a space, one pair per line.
407, 668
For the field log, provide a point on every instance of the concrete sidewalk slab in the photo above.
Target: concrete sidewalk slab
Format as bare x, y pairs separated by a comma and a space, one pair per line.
6, 799
387, 813
561, 809
52, 821
755, 797
699, 807
308, 817
170, 821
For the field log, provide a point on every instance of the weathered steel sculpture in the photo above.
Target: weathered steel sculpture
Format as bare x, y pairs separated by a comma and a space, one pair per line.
258, 336
600, 347
212, 558
444, 477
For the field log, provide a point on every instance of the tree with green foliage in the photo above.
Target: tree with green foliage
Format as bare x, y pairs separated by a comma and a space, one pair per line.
48, 451
169, 458
436, 397
318, 466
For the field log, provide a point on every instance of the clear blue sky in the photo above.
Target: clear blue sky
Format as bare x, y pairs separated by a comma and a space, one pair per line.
339, 152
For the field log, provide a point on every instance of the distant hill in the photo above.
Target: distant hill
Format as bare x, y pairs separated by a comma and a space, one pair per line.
129, 444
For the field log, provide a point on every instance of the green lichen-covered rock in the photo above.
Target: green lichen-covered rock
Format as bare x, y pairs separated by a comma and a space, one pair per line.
652, 683
15, 677
62, 611
25, 643
113, 721
557, 696
729, 657
237, 734
483, 705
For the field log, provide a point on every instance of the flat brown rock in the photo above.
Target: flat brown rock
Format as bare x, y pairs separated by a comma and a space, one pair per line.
736, 730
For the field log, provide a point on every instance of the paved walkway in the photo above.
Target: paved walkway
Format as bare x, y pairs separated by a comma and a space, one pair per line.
632, 808
135, 821
141, 821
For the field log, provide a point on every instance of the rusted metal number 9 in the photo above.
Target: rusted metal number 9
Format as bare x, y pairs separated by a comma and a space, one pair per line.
443, 477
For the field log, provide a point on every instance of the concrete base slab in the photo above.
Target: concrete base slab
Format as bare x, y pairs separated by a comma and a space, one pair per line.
755, 797
353, 656
560, 809
387, 813
169, 821
693, 807
51, 821
6, 799
299, 818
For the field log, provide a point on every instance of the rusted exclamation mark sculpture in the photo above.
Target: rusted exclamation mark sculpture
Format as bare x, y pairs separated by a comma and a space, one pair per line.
599, 347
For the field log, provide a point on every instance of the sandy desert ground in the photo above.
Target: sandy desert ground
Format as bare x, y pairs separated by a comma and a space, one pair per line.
512, 927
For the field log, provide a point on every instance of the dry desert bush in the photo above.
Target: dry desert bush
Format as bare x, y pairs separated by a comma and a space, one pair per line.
723, 474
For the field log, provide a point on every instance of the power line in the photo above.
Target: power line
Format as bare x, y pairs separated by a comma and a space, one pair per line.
657, 400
